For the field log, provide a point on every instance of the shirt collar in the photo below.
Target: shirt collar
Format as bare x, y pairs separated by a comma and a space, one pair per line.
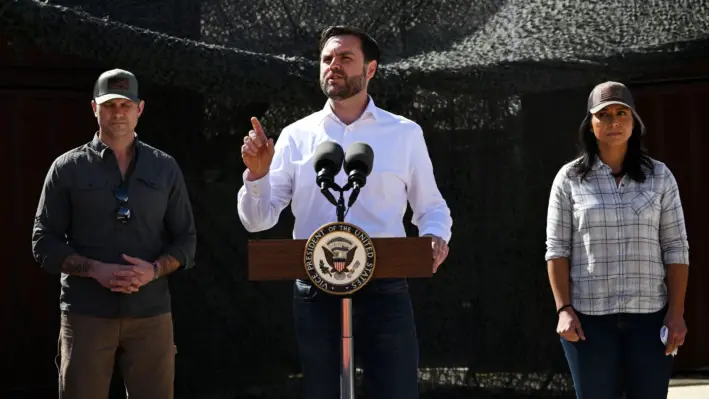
598, 164
99, 146
371, 111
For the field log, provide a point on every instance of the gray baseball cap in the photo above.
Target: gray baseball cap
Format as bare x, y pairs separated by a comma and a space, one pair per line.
608, 93
116, 83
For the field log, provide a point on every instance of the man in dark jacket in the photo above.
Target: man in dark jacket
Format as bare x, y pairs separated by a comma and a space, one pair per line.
114, 219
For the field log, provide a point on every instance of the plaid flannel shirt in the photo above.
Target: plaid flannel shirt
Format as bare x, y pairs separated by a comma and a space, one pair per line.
618, 238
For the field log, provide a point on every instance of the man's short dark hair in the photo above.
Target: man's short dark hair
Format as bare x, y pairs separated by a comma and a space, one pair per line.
370, 48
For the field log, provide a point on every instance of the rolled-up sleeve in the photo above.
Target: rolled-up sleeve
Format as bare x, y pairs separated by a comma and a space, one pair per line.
559, 219
179, 221
673, 234
52, 218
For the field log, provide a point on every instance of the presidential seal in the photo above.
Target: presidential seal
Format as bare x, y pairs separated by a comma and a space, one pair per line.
339, 258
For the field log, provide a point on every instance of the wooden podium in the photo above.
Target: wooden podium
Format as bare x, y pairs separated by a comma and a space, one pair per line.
270, 260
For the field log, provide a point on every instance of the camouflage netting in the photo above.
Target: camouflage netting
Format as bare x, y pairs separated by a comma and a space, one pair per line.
494, 84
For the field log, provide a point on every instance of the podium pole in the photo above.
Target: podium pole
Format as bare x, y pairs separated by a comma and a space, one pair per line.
347, 351
347, 338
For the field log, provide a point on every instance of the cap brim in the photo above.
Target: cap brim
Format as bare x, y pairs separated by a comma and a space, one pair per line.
108, 97
605, 104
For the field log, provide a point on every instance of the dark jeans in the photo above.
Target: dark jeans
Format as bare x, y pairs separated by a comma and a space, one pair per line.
384, 332
621, 353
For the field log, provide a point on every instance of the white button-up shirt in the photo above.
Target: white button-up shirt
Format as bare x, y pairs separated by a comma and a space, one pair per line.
401, 172
619, 238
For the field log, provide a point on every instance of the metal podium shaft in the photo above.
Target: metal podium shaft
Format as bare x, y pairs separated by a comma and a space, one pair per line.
347, 354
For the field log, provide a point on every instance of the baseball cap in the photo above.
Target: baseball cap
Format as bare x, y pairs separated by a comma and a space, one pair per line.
608, 93
116, 83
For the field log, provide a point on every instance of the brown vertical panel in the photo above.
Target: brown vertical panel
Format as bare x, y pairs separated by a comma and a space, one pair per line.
44, 111
39, 126
677, 117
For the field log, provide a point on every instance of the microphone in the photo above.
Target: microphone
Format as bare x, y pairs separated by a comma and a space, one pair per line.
327, 162
358, 165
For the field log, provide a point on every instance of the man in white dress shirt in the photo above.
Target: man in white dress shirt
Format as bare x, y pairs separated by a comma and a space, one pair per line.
402, 172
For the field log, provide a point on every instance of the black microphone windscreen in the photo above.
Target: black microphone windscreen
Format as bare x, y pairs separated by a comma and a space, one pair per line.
328, 154
359, 156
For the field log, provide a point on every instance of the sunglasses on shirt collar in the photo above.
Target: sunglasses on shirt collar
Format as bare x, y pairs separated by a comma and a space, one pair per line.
123, 212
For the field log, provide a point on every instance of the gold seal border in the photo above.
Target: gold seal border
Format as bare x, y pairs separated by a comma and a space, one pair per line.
325, 227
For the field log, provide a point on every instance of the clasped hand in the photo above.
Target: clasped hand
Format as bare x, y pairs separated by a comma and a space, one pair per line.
126, 279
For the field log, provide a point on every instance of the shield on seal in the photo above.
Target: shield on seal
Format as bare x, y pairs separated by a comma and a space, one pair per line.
340, 265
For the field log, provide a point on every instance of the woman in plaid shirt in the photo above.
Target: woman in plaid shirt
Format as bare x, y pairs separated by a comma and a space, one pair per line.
617, 256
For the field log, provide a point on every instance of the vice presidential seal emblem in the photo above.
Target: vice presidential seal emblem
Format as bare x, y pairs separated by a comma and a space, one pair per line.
339, 258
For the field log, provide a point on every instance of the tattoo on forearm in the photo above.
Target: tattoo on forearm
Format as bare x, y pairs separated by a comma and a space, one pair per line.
167, 264
77, 265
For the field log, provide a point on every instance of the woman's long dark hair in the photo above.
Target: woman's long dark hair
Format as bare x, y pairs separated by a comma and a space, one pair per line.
635, 158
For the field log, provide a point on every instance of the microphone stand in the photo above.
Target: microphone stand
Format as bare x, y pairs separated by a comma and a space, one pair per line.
347, 340
340, 203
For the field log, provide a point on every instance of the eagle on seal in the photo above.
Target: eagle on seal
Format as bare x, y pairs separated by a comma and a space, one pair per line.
339, 263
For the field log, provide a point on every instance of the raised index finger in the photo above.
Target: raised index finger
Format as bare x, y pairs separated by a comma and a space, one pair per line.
258, 128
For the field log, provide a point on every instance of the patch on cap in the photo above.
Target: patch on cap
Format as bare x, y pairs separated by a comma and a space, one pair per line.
611, 92
118, 84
